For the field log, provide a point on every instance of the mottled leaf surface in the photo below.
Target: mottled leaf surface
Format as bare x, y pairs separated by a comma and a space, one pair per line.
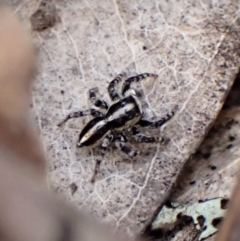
190, 45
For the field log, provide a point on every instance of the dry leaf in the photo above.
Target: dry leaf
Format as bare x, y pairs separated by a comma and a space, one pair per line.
193, 47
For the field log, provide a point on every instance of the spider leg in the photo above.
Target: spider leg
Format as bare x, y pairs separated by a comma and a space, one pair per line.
112, 88
158, 123
120, 141
77, 114
140, 137
96, 170
127, 83
95, 101
105, 143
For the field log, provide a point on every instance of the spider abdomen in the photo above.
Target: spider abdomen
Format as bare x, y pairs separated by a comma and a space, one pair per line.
93, 132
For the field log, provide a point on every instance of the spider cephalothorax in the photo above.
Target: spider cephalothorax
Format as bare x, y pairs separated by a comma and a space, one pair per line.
125, 113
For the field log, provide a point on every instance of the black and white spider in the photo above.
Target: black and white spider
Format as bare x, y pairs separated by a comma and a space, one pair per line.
125, 113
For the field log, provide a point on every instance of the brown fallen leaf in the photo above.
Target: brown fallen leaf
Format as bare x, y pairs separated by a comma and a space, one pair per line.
195, 56
194, 51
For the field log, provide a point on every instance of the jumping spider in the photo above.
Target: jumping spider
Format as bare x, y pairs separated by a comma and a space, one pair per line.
125, 113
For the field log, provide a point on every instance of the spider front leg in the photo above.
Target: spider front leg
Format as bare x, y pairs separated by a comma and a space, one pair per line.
112, 88
103, 148
120, 141
159, 123
127, 83
96, 101
140, 137
92, 112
